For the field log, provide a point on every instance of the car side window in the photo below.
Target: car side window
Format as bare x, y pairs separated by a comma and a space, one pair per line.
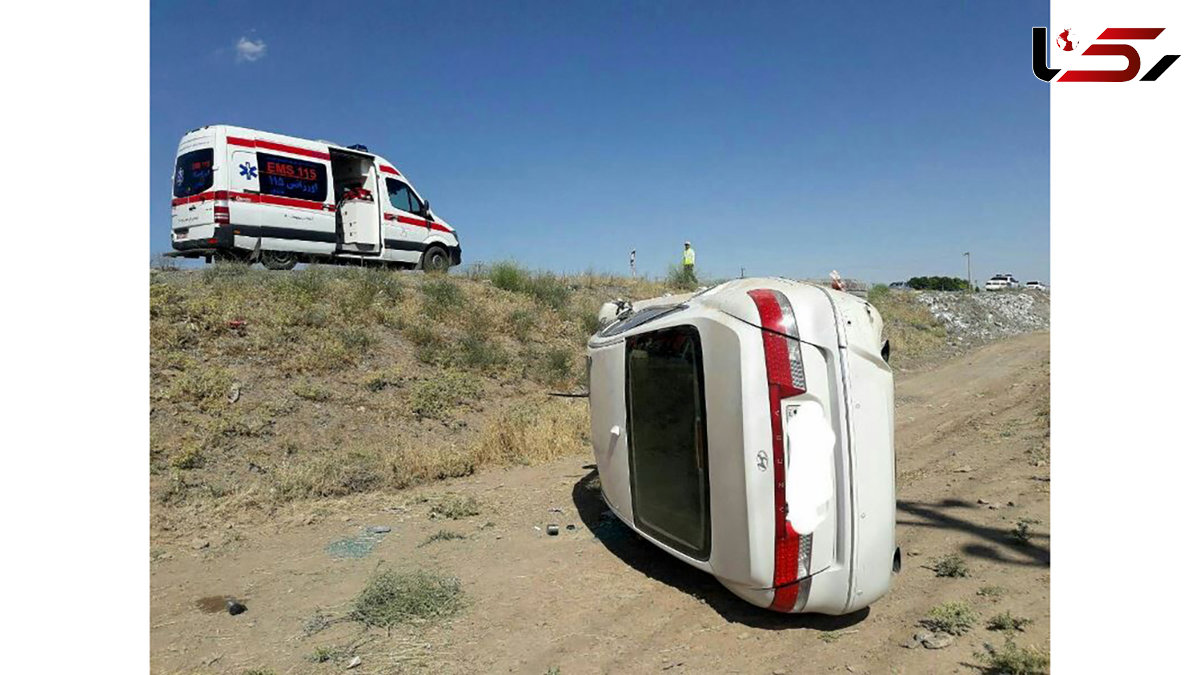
402, 196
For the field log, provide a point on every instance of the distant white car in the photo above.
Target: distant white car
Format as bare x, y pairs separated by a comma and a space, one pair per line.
1001, 282
1035, 285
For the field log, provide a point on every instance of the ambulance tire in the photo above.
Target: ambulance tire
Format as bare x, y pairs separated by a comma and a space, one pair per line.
278, 260
436, 259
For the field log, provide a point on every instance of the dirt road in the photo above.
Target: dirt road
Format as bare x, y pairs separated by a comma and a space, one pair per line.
973, 454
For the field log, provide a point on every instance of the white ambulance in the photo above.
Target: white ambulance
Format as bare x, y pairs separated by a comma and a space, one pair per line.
747, 431
249, 195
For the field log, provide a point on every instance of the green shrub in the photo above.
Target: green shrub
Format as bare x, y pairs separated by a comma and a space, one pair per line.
435, 397
990, 592
556, 366
950, 566
382, 379
522, 322
678, 278
954, 618
201, 384
508, 276
190, 457
544, 287
1022, 532
442, 297
477, 352
356, 338
548, 289
1013, 660
1007, 622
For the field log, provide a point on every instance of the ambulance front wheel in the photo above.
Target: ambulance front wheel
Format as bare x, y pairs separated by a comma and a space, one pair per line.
436, 259
278, 260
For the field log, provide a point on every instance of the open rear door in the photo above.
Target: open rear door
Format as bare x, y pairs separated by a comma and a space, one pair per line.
359, 213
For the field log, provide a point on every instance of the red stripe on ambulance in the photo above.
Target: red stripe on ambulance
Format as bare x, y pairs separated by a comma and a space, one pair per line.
277, 147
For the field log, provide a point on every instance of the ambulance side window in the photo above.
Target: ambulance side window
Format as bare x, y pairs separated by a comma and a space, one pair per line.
293, 178
402, 196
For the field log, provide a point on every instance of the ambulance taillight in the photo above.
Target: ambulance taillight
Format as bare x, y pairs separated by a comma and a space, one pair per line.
221, 208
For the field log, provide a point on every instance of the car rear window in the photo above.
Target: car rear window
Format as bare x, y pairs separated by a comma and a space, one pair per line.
668, 451
193, 172
295, 178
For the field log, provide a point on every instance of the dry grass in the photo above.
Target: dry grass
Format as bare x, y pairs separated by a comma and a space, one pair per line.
356, 380
392, 598
454, 507
914, 333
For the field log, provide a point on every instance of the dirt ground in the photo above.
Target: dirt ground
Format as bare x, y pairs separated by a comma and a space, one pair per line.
973, 459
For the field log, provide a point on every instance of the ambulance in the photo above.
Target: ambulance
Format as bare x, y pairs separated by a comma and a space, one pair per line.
747, 430
254, 196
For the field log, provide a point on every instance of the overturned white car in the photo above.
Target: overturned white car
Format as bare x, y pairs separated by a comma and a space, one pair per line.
747, 430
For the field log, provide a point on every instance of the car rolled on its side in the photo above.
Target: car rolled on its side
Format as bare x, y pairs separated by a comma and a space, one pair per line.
747, 431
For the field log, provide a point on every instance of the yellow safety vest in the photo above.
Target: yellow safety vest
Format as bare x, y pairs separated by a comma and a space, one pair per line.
689, 256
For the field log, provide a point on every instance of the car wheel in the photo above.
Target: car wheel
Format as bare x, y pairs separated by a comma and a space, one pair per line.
278, 260
436, 259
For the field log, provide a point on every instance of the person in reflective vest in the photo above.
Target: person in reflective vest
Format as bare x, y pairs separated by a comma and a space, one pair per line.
689, 261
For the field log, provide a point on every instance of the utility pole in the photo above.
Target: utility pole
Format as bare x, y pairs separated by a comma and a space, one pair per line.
633, 263
970, 284
743, 276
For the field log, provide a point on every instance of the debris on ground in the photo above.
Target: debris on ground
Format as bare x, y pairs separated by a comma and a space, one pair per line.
234, 607
552, 530
972, 319
358, 546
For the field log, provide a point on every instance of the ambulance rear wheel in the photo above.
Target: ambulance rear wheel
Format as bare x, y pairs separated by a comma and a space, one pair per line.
278, 260
436, 259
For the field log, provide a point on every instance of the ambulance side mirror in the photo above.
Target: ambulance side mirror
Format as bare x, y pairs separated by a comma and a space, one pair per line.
425, 211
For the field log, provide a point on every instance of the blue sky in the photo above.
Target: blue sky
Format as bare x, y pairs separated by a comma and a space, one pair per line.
878, 139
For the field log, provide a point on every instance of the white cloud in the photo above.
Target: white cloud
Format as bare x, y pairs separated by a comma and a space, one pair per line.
250, 50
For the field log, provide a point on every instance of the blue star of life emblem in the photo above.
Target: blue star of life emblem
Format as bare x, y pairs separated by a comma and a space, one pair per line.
248, 170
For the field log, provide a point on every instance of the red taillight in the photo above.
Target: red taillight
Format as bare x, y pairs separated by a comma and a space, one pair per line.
221, 207
785, 378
